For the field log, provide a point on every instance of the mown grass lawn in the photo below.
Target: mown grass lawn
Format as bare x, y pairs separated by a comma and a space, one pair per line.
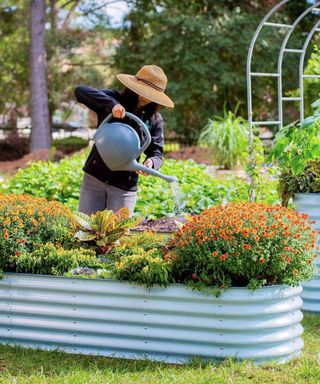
22, 366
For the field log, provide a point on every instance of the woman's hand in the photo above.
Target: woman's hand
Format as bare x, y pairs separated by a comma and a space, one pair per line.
148, 163
118, 111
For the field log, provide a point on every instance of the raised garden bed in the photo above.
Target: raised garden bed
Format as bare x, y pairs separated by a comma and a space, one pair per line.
174, 324
309, 203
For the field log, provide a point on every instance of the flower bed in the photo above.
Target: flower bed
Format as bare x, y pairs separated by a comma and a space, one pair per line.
224, 251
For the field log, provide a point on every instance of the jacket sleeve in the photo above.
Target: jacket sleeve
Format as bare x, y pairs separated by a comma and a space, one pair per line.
95, 99
155, 149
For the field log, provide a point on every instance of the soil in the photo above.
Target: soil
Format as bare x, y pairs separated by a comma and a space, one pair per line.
168, 224
11, 167
199, 155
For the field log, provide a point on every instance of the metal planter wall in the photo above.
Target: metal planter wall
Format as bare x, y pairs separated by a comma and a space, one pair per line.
310, 203
112, 318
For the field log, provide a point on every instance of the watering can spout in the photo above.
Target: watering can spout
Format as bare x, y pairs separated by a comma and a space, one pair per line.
140, 167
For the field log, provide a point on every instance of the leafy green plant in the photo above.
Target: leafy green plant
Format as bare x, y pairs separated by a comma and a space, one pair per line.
51, 260
61, 181
297, 150
136, 243
147, 267
70, 144
104, 227
27, 221
53, 181
227, 135
244, 244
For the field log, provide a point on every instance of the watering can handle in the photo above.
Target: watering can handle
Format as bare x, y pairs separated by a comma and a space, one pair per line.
143, 127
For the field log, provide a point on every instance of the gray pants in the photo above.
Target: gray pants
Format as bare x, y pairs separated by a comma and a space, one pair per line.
97, 196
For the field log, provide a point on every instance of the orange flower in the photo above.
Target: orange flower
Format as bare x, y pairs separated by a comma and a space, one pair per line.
295, 271
261, 260
5, 234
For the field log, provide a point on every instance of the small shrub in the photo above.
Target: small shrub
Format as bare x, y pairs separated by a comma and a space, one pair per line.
104, 227
297, 150
148, 268
244, 244
136, 244
228, 138
51, 260
13, 147
27, 221
70, 144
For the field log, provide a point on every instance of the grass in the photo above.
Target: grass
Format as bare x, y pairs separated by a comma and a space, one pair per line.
22, 366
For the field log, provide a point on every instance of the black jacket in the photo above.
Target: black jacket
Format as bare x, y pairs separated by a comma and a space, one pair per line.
101, 101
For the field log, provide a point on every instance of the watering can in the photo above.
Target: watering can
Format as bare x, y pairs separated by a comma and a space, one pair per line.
119, 146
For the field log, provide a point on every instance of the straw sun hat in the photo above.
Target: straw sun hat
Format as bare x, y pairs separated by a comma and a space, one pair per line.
150, 82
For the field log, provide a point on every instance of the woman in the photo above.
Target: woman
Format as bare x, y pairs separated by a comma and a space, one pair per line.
102, 188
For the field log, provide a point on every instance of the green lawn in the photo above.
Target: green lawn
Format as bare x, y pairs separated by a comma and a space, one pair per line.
21, 366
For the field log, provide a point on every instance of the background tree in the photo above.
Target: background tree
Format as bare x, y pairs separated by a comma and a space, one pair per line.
202, 46
40, 131
14, 68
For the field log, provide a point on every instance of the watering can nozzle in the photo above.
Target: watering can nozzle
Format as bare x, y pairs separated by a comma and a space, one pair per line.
172, 179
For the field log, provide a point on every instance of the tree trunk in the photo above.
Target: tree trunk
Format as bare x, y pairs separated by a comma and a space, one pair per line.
40, 131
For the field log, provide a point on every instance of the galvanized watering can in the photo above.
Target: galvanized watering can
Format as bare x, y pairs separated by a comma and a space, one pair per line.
119, 146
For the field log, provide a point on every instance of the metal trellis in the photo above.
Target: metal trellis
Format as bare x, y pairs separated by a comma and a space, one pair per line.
302, 52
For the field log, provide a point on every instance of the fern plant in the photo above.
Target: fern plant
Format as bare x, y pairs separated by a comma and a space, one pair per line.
104, 227
227, 135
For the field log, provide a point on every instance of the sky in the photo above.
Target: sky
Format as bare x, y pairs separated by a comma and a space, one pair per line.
116, 12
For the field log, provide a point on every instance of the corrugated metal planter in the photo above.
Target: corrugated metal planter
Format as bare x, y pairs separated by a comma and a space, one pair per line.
310, 203
112, 318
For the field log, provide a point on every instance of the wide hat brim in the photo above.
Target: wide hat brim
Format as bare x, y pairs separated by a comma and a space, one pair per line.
145, 90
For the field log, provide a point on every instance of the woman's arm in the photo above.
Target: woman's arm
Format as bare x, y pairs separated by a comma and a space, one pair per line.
155, 149
95, 99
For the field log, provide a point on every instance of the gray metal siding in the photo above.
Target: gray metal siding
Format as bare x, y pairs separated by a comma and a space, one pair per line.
309, 203
113, 318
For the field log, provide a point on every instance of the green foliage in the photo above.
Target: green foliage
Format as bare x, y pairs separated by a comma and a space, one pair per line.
14, 68
228, 136
297, 150
311, 85
203, 47
70, 144
244, 244
61, 181
147, 267
135, 244
104, 227
54, 181
48, 259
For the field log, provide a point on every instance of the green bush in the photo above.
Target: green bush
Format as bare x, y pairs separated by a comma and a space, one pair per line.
297, 151
228, 136
26, 222
48, 259
70, 144
147, 267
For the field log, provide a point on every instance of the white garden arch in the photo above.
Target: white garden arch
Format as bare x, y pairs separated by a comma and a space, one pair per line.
265, 23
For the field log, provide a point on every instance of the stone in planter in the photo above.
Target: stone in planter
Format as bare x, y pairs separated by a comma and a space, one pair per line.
174, 324
310, 203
